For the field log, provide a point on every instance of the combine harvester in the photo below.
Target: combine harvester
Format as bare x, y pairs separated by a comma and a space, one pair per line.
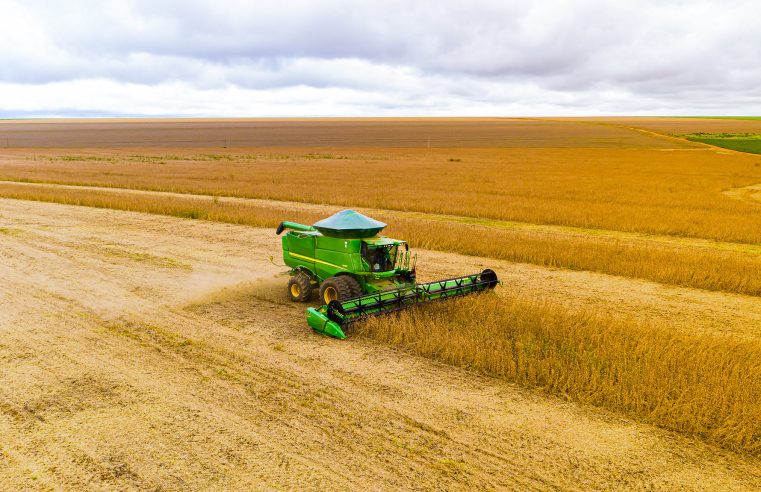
359, 273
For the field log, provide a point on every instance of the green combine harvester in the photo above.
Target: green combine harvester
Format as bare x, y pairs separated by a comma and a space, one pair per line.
359, 273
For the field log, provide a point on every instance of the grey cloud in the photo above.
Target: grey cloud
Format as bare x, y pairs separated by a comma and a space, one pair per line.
409, 54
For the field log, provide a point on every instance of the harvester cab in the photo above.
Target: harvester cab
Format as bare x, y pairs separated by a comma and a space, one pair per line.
359, 273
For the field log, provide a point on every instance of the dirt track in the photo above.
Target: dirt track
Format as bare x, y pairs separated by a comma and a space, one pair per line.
140, 351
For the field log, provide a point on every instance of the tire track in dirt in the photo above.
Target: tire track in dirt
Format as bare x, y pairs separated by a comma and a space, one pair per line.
206, 377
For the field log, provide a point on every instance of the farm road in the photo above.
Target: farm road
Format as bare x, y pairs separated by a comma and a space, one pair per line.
141, 351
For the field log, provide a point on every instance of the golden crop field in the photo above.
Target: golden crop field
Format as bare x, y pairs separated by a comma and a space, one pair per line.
630, 258
647, 370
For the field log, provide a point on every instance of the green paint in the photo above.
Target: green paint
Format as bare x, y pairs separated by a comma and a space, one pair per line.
324, 257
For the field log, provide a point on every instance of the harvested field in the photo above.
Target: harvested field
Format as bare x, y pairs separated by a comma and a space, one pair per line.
622, 350
298, 133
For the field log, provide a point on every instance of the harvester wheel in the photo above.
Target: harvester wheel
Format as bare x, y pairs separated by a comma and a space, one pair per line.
490, 277
353, 284
300, 287
336, 289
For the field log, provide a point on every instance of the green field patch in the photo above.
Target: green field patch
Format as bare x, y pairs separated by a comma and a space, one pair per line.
741, 142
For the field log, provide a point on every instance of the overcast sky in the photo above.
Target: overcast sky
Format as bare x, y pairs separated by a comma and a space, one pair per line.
384, 58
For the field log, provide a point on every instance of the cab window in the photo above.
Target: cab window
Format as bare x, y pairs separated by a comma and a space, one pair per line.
379, 258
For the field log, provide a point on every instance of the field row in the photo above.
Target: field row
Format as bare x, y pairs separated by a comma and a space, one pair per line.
724, 267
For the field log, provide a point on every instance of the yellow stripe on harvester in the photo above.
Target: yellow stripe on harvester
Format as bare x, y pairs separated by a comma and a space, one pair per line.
307, 258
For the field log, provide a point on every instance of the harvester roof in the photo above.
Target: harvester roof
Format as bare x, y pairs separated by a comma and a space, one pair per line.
349, 224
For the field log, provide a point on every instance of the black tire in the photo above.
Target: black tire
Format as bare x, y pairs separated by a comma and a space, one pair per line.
300, 287
490, 277
353, 284
336, 289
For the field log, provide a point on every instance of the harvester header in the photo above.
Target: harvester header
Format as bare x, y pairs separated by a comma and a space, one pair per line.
359, 273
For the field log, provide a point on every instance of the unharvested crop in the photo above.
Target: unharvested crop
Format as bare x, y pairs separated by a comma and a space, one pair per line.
699, 385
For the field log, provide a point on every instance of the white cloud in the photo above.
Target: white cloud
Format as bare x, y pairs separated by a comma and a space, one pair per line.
291, 58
